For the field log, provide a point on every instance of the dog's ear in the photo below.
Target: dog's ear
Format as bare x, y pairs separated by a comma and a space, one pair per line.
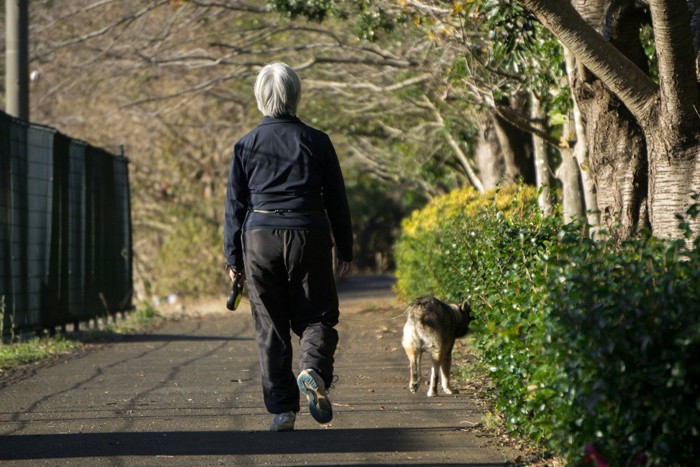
466, 308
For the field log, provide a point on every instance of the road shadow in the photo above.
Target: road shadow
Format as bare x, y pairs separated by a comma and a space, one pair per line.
223, 443
181, 338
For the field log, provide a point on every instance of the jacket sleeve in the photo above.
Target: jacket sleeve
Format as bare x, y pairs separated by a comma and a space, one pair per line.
336, 203
235, 210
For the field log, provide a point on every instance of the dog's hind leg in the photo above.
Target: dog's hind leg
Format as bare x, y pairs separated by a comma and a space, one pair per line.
434, 371
445, 372
414, 357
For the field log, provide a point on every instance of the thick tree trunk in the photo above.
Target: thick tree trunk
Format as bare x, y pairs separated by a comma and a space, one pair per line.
673, 137
667, 112
616, 144
504, 153
618, 160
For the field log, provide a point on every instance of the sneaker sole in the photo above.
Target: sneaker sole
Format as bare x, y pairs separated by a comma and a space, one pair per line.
281, 429
319, 405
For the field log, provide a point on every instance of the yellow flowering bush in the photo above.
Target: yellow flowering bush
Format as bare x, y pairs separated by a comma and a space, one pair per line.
467, 201
441, 243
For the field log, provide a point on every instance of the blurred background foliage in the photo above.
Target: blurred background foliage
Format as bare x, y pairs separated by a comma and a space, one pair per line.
399, 91
172, 81
420, 98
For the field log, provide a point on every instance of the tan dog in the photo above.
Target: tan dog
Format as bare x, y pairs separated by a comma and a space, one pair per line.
432, 326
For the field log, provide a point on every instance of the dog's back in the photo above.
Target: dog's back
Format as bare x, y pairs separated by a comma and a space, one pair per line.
429, 323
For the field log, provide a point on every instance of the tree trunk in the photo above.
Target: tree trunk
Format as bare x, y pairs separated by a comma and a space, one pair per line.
673, 135
667, 112
576, 132
542, 170
618, 159
570, 176
516, 147
488, 155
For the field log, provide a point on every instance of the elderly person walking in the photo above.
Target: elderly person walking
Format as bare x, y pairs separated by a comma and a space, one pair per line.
285, 196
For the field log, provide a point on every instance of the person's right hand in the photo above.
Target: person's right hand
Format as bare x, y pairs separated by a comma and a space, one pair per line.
232, 274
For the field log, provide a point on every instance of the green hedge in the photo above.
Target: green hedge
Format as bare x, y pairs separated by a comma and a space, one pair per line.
624, 330
593, 348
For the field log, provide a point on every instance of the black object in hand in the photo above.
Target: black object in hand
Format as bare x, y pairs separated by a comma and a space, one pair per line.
236, 291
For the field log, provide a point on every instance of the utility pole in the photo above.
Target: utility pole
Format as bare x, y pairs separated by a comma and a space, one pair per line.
17, 58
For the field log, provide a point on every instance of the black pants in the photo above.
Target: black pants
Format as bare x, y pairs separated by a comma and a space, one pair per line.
291, 287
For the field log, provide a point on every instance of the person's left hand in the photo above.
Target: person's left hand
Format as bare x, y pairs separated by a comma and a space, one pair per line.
343, 268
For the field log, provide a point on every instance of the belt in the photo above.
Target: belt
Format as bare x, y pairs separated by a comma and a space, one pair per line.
282, 211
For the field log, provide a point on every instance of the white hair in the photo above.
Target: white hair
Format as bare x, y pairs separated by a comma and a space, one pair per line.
277, 90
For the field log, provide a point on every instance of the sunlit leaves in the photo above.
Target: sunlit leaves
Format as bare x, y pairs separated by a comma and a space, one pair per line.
315, 10
371, 19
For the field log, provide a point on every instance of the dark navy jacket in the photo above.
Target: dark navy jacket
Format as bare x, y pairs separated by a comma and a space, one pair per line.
284, 164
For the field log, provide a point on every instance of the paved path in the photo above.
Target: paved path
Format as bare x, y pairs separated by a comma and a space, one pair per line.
188, 394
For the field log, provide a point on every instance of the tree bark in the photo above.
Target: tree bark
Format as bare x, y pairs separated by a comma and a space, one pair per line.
618, 160
619, 153
671, 182
615, 172
674, 48
573, 205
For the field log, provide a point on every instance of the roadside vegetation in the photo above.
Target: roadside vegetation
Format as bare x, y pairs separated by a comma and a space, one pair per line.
19, 351
590, 346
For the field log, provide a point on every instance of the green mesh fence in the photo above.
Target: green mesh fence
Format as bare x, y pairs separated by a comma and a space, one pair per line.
65, 229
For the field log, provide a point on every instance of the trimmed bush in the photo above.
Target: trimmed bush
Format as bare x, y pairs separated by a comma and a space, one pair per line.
624, 329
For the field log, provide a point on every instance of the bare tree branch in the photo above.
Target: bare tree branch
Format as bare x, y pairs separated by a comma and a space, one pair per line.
232, 5
104, 30
463, 160
366, 85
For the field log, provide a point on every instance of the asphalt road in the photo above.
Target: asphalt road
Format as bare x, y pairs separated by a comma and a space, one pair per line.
188, 394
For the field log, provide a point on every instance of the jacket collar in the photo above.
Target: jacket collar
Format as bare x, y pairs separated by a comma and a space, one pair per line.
283, 119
